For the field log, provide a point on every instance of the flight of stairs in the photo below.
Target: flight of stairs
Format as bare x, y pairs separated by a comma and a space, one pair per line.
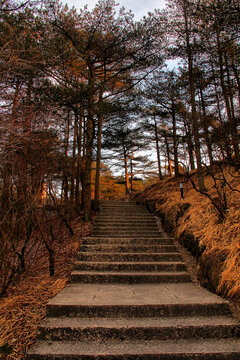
131, 298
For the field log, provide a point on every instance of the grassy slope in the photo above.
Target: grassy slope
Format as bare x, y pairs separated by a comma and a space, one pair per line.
196, 224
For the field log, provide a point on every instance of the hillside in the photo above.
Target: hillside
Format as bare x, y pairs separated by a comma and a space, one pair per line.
197, 223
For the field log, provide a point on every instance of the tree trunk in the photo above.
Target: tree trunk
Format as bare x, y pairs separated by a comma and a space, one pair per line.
23, 175
235, 71
193, 103
89, 145
73, 172
189, 142
175, 143
6, 167
229, 87
205, 127
83, 161
168, 155
216, 92
98, 162
79, 159
126, 172
157, 149
131, 175
65, 169
231, 120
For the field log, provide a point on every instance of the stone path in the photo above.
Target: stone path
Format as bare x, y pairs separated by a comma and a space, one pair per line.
131, 298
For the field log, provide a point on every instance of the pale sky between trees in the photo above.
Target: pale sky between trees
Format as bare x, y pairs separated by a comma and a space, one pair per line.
138, 7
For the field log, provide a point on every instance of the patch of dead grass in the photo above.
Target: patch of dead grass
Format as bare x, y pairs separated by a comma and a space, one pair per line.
201, 219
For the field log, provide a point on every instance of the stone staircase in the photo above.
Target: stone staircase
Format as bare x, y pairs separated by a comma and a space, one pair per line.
131, 298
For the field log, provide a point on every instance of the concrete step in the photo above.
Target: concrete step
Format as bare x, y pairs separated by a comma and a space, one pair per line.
125, 217
159, 235
128, 240
125, 214
109, 203
120, 233
85, 329
189, 349
92, 277
135, 208
114, 248
91, 256
125, 225
125, 209
130, 266
136, 301
148, 220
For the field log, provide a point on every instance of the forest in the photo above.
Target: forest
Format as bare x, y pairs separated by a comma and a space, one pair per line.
95, 105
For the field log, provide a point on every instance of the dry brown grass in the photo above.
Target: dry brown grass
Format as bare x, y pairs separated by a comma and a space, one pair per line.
201, 219
22, 309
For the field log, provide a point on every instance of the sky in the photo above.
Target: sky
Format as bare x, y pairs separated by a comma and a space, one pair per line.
138, 7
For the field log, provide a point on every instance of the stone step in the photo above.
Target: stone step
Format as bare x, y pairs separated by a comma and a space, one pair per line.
135, 208
126, 217
85, 329
159, 234
129, 225
91, 256
189, 349
128, 240
124, 208
117, 232
131, 266
147, 220
109, 225
129, 248
123, 214
125, 225
136, 301
132, 219
111, 203
128, 277
126, 229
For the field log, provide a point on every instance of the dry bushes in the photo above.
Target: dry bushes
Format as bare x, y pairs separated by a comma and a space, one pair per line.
22, 309
195, 217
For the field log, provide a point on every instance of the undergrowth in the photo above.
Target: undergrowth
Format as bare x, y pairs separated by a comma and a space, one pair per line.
23, 307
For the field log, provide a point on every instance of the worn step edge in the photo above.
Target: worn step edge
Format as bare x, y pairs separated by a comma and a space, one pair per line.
129, 229
119, 225
121, 232
128, 277
139, 329
125, 220
136, 257
129, 217
208, 349
128, 248
127, 240
124, 237
126, 254
133, 311
130, 266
